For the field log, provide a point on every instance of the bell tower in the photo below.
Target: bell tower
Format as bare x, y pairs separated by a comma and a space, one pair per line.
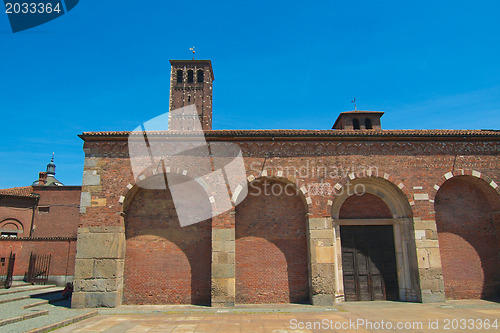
191, 83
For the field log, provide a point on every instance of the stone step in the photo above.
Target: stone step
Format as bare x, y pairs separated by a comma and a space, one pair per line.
15, 317
30, 293
38, 310
23, 288
17, 283
22, 309
51, 295
35, 303
57, 316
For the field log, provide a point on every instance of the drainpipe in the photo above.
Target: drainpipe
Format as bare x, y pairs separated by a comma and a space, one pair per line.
35, 205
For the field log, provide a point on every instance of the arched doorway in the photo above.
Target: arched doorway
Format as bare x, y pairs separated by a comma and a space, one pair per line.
368, 252
373, 228
164, 262
466, 208
271, 246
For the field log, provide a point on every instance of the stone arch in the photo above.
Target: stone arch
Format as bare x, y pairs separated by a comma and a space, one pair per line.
396, 198
152, 174
275, 174
271, 227
385, 185
165, 263
467, 206
462, 172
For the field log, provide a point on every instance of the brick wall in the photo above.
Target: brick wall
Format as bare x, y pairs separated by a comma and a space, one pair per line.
468, 239
62, 261
271, 248
165, 263
366, 206
62, 217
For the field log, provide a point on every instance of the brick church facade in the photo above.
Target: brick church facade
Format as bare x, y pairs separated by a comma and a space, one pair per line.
350, 213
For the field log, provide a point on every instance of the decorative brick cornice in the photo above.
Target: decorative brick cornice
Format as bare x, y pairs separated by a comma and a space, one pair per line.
39, 239
108, 147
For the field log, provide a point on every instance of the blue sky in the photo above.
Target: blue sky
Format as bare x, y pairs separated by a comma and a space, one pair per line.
278, 64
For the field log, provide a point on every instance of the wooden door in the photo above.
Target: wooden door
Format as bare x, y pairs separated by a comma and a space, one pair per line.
369, 263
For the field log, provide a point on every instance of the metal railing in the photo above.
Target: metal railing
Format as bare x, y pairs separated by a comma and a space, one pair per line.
7, 270
38, 270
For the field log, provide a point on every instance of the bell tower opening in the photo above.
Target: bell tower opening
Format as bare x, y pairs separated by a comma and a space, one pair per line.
358, 120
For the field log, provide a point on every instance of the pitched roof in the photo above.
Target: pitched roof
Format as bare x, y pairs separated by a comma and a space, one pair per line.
25, 191
362, 112
284, 133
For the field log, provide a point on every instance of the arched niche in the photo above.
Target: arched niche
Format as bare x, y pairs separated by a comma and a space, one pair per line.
468, 225
271, 244
166, 263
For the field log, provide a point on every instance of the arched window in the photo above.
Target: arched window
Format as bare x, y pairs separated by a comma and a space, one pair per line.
190, 75
11, 228
180, 74
355, 124
199, 75
368, 123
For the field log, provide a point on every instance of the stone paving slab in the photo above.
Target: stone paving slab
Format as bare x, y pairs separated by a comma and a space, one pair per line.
351, 317
194, 309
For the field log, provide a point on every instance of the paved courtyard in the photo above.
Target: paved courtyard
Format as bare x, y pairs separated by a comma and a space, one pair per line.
452, 316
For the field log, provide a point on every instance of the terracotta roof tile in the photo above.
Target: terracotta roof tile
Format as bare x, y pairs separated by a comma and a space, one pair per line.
25, 191
309, 133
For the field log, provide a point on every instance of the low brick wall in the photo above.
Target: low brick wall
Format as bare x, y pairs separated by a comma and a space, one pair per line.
62, 251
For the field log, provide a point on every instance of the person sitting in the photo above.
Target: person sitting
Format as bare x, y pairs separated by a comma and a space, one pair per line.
68, 290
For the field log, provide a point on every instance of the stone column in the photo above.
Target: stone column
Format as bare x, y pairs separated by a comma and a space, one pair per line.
100, 257
223, 260
322, 261
429, 261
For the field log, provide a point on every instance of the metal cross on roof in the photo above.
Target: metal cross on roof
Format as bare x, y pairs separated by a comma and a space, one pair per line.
192, 49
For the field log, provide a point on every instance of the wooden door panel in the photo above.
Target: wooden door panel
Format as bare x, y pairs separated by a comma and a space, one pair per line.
377, 287
350, 288
369, 265
348, 263
364, 289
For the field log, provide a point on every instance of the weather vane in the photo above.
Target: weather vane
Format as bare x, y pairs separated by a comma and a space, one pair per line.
192, 49
353, 101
